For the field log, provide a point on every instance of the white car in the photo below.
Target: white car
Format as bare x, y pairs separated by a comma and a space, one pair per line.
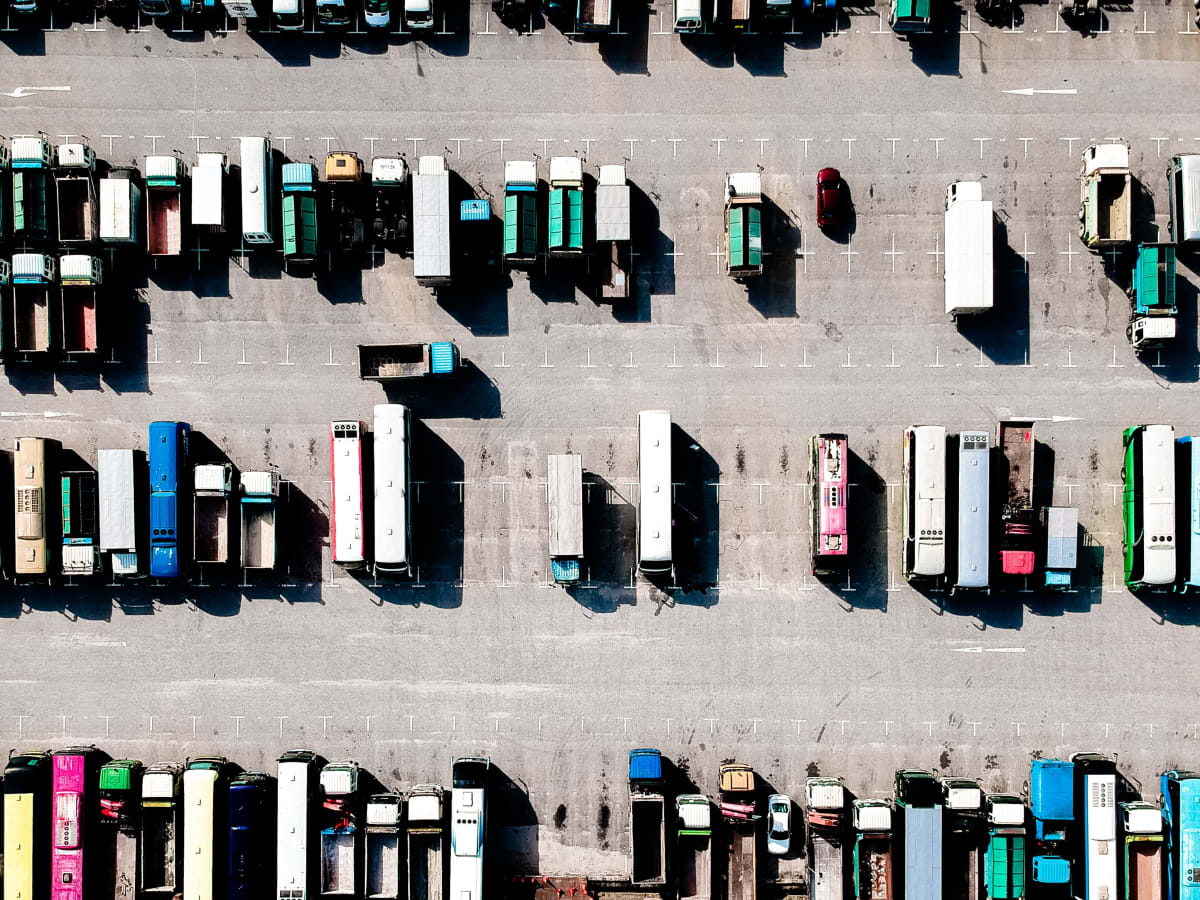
779, 824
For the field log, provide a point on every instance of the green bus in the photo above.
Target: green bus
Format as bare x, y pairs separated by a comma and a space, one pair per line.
1148, 505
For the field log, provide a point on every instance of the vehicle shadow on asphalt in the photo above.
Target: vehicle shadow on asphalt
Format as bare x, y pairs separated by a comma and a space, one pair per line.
773, 293
696, 536
863, 586
609, 555
938, 52
513, 822
1002, 333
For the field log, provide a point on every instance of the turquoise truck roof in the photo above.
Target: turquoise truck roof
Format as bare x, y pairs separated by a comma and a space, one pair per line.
745, 237
1154, 280
911, 10
474, 211
298, 177
443, 358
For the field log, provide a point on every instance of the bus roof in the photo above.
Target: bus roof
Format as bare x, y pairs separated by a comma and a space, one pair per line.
654, 487
974, 493
391, 486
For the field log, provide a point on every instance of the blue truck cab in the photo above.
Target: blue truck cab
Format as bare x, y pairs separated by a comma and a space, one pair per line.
645, 768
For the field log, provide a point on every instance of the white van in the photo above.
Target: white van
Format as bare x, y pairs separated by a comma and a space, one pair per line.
288, 14
687, 16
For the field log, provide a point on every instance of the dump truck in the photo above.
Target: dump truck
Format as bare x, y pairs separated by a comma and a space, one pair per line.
1142, 826
31, 160
1153, 313
825, 802
613, 231
693, 844
339, 829
1061, 525
299, 208
520, 212
120, 817
1105, 196
594, 16
564, 493
739, 812
383, 847
872, 824
164, 205
344, 227
33, 282
426, 839
1004, 868
80, 523
918, 802
260, 494
965, 848
120, 208
564, 231
78, 203
210, 534
969, 248
743, 225
647, 817
208, 192
1018, 518
431, 222
389, 185
80, 279
161, 822
395, 362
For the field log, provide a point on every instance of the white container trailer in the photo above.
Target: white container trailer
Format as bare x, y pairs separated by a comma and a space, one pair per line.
118, 525
208, 192
431, 222
120, 204
969, 232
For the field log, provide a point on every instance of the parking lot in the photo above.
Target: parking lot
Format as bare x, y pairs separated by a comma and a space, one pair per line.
743, 654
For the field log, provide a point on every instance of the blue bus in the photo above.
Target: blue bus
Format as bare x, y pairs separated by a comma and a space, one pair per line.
1187, 474
1181, 822
168, 463
251, 836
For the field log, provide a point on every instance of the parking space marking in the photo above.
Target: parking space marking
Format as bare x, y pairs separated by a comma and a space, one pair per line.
893, 253
718, 142
631, 142
848, 254
937, 147
1070, 253
981, 140
1070, 144
849, 147
968, 29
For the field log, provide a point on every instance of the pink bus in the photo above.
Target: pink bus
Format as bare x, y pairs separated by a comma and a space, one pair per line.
72, 787
828, 459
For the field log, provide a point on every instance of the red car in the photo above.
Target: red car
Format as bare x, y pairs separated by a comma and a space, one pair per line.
831, 198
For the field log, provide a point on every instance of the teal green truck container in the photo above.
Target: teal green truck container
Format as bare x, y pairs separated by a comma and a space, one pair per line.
31, 160
1006, 863
299, 185
1153, 313
565, 223
520, 212
743, 225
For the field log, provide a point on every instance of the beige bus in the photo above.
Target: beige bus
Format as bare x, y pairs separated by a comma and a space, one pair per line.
29, 476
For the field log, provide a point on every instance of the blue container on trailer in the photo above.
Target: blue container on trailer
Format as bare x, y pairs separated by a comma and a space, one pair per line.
566, 571
443, 358
1051, 797
1051, 870
474, 211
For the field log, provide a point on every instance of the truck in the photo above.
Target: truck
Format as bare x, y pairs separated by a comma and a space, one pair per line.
77, 202
564, 493
118, 528
613, 233
431, 222
918, 801
120, 815
962, 868
564, 231
5, 187
731, 14
33, 280
647, 818
80, 554
1061, 525
1105, 196
739, 813
120, 208
342, 204
31, 160
339, 829
164, 205
743, 225
395, 362
299, 212
389, 187
418, 15
383, 847
520, 212
239, 9
593, 16
1141, 824
693, 843
910, 17
210, 534
1153, 313
871, 821
1005, 862
825, 804
80, 279
160, 864
969, 234
426, 837
208, 192
1052, 804
260, 494
1018, 518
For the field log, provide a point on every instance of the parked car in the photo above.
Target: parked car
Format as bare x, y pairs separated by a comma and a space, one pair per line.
831, 198
779, 824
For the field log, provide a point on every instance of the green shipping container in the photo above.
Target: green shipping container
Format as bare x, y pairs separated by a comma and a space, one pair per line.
1006, 867
300, 227
566, 219
30, 205
520, 226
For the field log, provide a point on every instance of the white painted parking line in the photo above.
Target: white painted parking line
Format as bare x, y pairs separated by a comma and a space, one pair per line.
893, 253
968, 29
849, 147
761, 145
805, 142
1070, 144
719, 142
937, 252
981, 140
631, 142
848, 254
1070, 253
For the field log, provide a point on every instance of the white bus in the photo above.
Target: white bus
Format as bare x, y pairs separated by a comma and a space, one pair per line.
257, 193
203, 869
346, 523
655, 511
1148, 508
924, 501
468, 826
1100, 828
974, 492
393, 522
295, 847
1183, 193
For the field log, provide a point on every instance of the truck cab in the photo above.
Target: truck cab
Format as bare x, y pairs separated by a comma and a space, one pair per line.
389, 186
688, 16
418, 15
910, 16
332, 14
288, 15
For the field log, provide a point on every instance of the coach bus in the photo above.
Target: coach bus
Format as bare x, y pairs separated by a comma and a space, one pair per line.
468, 826
168, 466
827, 461
1100, 854
1187, 517
345, 463
1181, 824
295, 847
655, 490
393, 522
251, 837
29, 494
205, 796
974, 493
26, 825
924, 488
1148, 508
74, 795
258, 197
